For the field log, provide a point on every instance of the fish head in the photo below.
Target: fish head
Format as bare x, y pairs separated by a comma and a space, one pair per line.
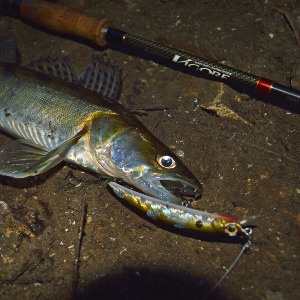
134, 155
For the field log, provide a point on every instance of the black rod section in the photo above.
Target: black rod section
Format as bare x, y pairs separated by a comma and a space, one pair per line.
191, 61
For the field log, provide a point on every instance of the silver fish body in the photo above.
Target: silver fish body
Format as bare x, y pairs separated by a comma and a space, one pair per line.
54, 120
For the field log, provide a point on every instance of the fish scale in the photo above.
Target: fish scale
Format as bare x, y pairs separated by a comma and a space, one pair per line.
49, 116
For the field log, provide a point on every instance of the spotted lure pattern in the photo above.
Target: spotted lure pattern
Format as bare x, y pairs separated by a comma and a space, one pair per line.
181, 216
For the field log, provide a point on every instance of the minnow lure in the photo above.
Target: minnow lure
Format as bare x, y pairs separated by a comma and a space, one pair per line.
181, 216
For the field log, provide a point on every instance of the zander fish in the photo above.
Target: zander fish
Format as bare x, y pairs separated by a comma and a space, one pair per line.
75, 118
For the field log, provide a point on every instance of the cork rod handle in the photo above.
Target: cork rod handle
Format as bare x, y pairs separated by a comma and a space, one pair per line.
63, 19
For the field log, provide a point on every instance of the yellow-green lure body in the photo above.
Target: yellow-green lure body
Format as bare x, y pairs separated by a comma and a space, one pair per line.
181, 216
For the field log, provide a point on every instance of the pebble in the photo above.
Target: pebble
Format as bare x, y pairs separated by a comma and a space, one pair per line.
295, 77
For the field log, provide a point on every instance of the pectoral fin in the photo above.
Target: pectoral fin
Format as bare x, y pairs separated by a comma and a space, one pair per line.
22, 158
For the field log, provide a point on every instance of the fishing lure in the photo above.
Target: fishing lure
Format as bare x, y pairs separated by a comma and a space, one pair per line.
181, 216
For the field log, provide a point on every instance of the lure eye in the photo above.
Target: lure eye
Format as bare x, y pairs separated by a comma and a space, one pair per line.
231, 229
166, 161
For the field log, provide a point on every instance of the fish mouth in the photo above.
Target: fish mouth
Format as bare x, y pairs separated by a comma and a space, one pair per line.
171, 189
182, 190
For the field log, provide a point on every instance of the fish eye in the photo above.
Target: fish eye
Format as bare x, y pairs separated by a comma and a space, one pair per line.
166, 161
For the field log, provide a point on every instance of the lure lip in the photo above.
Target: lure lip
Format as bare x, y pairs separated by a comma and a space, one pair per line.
248, 220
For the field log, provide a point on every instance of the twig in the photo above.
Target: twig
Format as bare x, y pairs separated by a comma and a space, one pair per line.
77, 251
143, 111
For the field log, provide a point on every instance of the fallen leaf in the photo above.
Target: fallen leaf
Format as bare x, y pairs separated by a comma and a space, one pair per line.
295, 24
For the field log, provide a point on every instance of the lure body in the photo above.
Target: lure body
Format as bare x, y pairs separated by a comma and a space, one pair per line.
178, 215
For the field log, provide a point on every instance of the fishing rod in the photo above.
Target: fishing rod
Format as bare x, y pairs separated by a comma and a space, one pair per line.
66, 20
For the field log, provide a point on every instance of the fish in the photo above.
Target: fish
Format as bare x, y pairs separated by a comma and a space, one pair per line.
58, 115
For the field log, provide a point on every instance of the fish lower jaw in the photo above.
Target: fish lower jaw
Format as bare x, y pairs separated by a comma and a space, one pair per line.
164, 194
182, 190
157, 189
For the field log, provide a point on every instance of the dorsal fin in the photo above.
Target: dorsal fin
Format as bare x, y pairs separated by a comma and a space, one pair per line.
57, 67
102, 78
8, 49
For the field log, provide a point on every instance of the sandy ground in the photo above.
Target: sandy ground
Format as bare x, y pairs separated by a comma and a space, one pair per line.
243, 148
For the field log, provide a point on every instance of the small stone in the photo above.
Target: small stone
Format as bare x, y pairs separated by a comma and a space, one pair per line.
295, 77
270, 295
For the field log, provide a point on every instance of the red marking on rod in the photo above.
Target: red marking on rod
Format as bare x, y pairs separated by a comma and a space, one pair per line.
264, 85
